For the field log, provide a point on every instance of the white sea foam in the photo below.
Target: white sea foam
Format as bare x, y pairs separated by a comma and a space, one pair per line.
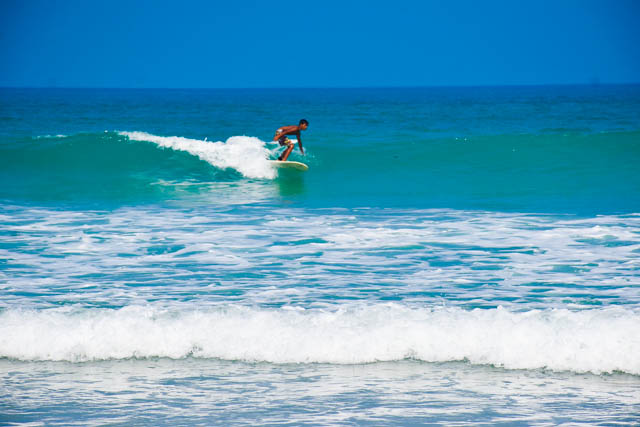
247, 155
597, 341
315, 258
51, 136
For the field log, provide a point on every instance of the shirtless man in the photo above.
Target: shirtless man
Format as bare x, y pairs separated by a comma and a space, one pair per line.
281, 137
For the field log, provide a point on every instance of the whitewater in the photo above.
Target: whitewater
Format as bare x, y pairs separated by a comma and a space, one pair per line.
597, 341
247, 155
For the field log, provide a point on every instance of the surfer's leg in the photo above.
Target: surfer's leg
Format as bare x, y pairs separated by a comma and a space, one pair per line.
285, 154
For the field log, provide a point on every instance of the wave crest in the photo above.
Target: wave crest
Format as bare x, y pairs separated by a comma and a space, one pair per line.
247, 155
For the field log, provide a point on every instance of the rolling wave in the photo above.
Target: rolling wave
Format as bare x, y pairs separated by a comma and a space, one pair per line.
125, 165
569, 173
127, 151
597, 341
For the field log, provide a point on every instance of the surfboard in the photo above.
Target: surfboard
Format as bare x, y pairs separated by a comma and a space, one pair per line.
289, 165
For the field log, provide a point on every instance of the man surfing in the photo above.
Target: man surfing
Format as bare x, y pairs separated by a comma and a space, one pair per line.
281, 137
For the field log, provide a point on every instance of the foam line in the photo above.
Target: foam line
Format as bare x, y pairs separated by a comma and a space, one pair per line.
597, 340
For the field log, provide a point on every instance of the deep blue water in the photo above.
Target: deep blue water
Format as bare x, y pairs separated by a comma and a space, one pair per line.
453, 255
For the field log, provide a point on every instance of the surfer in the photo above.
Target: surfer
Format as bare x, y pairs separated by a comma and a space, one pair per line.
281, 137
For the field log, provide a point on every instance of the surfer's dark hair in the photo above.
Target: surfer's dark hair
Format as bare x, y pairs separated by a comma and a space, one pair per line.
303, 122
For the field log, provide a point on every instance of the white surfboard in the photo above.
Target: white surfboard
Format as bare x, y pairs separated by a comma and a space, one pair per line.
289, 165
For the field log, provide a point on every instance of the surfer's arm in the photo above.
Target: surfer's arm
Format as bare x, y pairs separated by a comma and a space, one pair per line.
299, 142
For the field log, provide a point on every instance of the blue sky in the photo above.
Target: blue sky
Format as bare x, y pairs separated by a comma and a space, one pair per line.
317, 44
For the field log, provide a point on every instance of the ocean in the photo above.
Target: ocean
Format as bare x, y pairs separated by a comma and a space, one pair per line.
463, 255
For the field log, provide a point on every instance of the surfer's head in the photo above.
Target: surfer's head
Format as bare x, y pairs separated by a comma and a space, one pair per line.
303, 124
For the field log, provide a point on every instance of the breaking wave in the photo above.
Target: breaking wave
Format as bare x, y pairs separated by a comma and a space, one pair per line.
597, 340
247, 155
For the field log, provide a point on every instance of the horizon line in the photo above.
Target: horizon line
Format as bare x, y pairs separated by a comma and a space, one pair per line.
323, 87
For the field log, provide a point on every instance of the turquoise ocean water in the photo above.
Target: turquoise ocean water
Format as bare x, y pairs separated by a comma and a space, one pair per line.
453, 255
